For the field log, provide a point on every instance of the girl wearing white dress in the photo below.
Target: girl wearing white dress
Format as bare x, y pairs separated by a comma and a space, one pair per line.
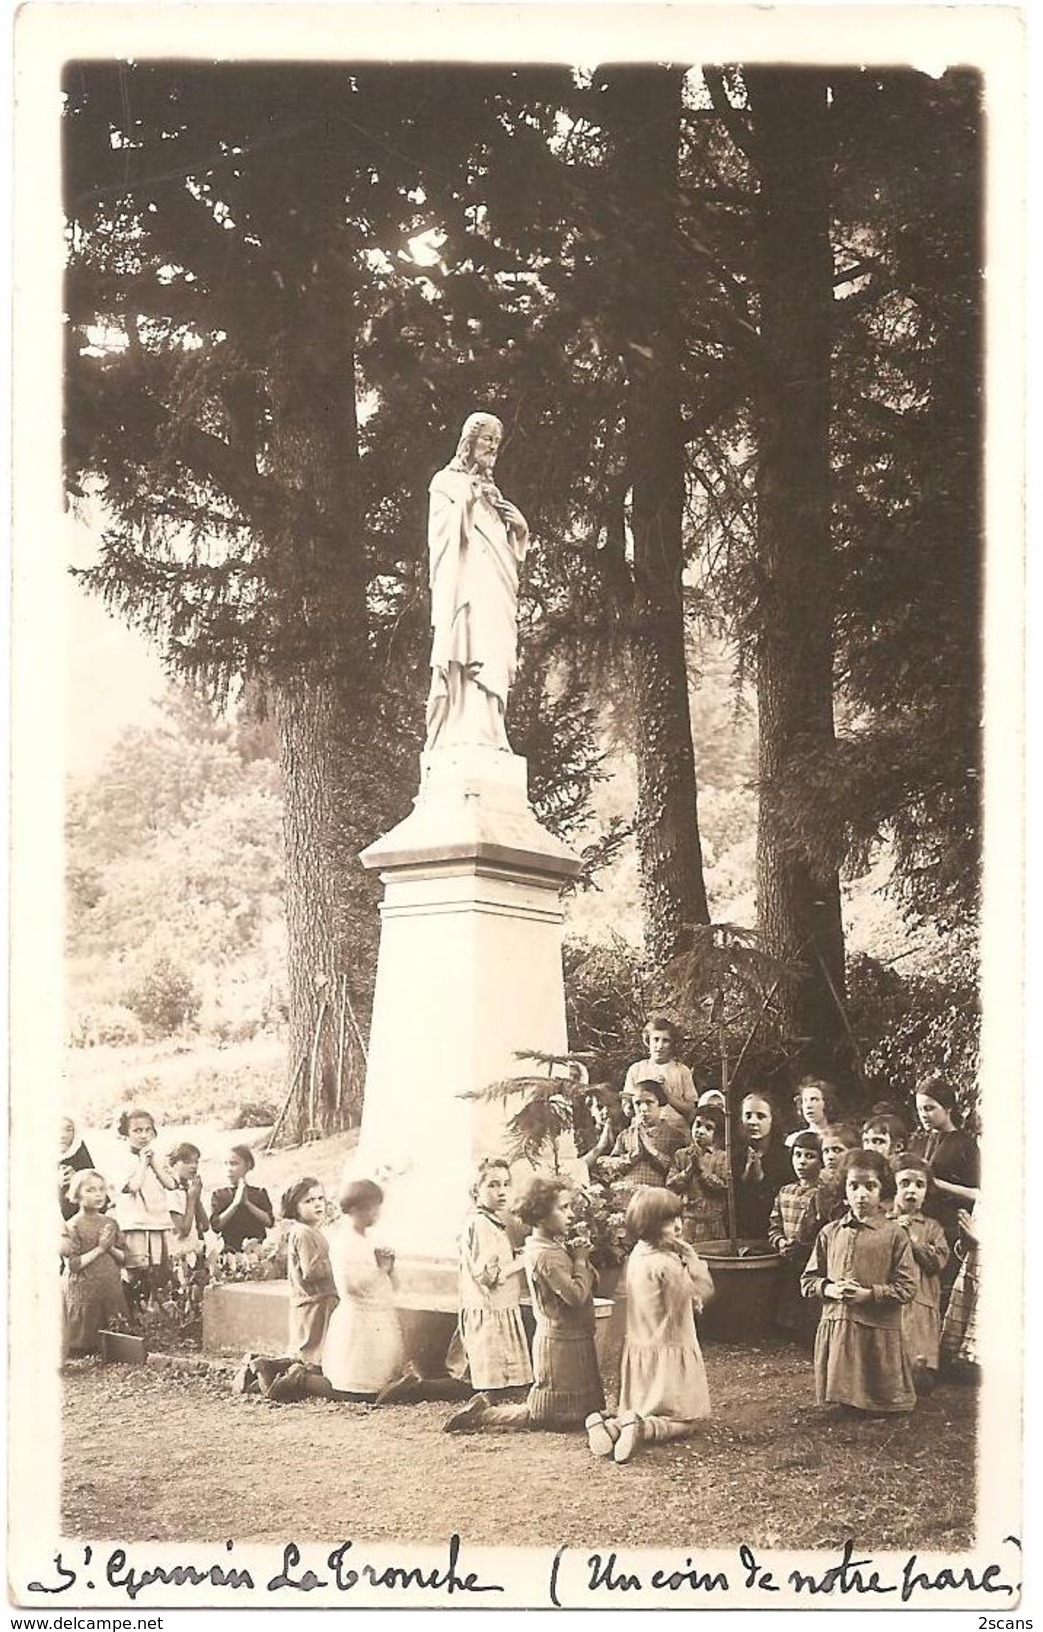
663, 1392
363, 1350
141, 1194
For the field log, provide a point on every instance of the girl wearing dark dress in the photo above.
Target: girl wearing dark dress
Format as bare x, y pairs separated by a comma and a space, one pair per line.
761, 1165
240, 1212
567, 1386
952, 1156
92, 1248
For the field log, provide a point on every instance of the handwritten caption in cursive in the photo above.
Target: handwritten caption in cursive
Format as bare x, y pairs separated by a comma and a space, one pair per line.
573, 1576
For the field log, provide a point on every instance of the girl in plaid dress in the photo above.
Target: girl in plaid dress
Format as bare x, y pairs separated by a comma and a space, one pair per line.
959, 1345
791, 1203
699, 1175
644, 1152
491, 1280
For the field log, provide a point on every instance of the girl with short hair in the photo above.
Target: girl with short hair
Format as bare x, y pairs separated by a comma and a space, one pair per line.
566, 1385
663, 1392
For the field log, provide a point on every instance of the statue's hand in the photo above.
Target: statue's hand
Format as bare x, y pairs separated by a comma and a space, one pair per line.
512, 517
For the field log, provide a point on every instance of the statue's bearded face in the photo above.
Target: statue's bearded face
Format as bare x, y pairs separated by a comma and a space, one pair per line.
486, 447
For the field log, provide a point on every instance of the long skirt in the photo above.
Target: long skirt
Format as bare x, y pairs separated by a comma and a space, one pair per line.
363, 1349
568, 1384
309, 1323
494, 1342
863, 1366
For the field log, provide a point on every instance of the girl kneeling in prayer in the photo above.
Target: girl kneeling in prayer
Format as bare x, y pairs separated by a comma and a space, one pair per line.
567, 1386
663, 1392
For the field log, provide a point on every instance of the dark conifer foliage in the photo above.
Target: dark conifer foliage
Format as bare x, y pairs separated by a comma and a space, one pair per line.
733, 322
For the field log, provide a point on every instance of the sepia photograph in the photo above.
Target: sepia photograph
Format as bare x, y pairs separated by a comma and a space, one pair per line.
517, 803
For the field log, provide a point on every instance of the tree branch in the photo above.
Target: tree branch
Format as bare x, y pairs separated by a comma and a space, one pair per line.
736, 126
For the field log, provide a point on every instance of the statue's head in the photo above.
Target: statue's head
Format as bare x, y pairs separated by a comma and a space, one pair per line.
479, 441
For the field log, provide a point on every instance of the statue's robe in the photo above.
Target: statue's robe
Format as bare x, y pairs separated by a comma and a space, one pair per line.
474, 562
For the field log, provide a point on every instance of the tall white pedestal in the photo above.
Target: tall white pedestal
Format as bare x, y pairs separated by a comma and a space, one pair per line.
469, 972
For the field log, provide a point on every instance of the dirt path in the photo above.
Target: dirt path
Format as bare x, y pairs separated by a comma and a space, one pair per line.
158, 1456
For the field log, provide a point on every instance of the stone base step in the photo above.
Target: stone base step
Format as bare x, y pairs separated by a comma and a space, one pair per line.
252, 1317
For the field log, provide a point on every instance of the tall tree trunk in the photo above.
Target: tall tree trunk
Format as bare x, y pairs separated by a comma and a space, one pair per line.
331, 903
644, 118
798, 912
323, 692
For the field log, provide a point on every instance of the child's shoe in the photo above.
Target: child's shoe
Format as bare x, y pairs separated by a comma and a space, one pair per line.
629, 1438
401, 1388
601, 1434
316, 1385
245, 1379
266, 1371
469, 1417
291, 1386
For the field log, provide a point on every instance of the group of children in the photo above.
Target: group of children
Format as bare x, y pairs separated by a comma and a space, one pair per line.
790, 1190
128, 1234
875, 1227
346, 1342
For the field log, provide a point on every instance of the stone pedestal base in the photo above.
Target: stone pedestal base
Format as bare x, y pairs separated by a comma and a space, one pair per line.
469, 973
252, 1317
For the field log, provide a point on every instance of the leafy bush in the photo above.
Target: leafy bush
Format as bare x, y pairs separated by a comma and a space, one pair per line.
598, 1213
99, 1025
607, 996
256, 1113
911, 1026
166, 998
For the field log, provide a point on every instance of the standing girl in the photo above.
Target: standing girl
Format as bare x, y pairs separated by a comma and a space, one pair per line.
761, 1164
828, 1200
363, 1350
92, 1248
699, 1175
491, 1279
662, 1039
313, 1292
862, 1269
142, 1200
816, 1105
567, 1385
885, 1133
644, 1151
921, 1319
959, 1344
188, 1220
240, 1212
663, 1392
951, 1154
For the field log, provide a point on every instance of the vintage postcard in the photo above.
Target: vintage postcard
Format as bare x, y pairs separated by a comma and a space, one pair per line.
517, 810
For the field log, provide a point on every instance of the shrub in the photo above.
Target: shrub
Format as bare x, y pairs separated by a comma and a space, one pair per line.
165, 999
606, 1003
910, 1026
99, 1025
256, 1113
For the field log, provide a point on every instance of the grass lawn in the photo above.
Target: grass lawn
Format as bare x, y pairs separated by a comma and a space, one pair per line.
162, 1456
